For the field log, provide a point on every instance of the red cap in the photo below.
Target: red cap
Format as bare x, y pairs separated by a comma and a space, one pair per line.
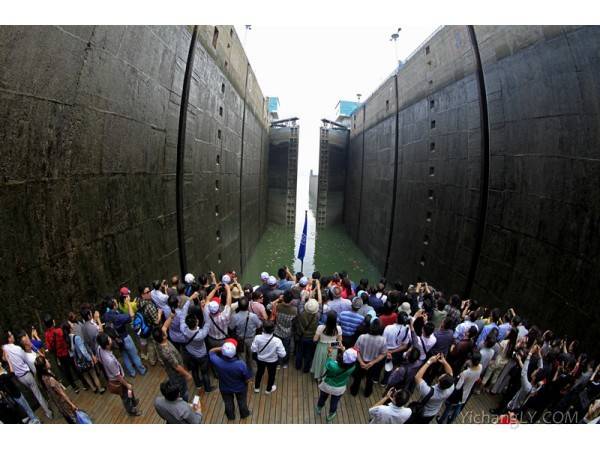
124, 292
231, 340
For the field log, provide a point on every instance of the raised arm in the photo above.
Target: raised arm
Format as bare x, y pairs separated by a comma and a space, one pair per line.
212, 293
167, 323
228, 297
319, 294
421, 372
447, 367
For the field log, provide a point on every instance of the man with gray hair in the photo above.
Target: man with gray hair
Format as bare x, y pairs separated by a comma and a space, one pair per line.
337, 303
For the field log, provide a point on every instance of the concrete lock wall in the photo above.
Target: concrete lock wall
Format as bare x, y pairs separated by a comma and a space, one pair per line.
497, 170
89, 128
283, 174
333, 155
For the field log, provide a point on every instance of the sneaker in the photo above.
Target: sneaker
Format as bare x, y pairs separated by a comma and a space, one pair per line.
246, 415
135, 412
257, 390
331, 416
273, 389
318, 410
285, 366
278, 367
50, 415
102, 391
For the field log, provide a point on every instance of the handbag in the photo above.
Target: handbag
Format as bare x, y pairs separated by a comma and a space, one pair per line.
82, 418
417, 407
255, 354
81, 364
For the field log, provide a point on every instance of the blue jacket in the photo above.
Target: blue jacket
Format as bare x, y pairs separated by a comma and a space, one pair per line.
233, 373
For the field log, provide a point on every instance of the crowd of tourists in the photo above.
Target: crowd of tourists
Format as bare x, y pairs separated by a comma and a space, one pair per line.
431, 353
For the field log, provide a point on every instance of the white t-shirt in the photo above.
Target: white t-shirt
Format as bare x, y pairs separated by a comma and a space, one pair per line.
467, 380
325, 338
429, 343
389, 414
436, 401
487, 354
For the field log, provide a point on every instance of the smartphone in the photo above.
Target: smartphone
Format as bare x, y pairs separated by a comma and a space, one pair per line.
335, 344
196, 400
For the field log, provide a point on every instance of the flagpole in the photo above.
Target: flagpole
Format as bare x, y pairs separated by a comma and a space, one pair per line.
302, 247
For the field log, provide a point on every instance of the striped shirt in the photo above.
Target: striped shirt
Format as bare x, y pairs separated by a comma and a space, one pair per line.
349, 321
370, 346
219, 320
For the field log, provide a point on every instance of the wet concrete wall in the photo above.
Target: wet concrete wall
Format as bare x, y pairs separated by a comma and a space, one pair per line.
282, 174
497, 170
333, 156
89, 123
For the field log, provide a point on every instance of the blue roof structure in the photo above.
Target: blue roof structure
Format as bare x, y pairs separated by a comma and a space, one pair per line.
273, 105
346, 107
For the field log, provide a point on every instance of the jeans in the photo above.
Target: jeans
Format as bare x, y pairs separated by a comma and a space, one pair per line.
241, 401
131, 359
333, 404
28, 381
22, 402
260, 370
451, 412
304, 354
199, 369
286, 344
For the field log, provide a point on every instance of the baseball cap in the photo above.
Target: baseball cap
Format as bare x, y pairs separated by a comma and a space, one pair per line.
357, 302
228, 348
264, 276
350, 356
189, 278
303, 281
272, 281
213, 307
226, 279
124, 291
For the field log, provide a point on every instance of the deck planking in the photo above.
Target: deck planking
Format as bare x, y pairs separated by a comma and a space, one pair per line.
292, 403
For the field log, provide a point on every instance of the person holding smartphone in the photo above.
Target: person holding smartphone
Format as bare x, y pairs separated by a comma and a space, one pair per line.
173, 409
338, 369
391, 409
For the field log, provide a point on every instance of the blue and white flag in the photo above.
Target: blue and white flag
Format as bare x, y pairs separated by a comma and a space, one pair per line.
302, 249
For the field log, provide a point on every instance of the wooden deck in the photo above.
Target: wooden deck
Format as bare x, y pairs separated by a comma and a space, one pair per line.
293, 402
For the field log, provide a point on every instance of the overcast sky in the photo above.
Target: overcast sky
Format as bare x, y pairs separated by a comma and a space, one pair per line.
311, 68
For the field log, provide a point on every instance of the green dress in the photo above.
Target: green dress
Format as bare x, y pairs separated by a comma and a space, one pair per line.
320, 358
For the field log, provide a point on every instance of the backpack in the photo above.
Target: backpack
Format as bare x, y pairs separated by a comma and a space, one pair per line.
140, 326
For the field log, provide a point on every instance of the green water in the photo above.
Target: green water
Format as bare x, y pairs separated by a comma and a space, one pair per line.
329, 250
